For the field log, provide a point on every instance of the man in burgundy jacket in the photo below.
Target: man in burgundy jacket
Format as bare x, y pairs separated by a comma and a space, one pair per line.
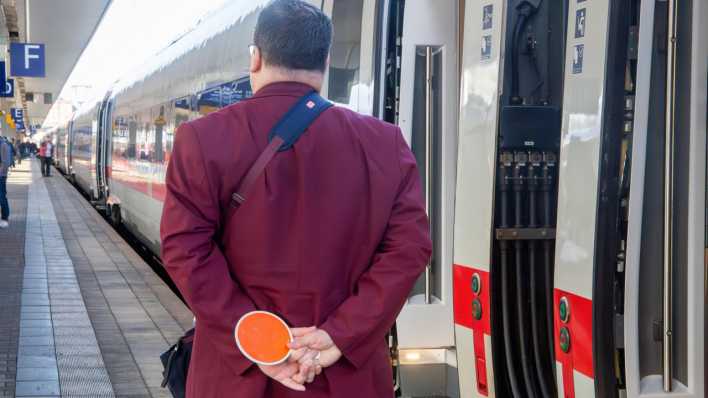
332, 237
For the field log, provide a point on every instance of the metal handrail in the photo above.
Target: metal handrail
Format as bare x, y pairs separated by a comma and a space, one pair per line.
428, 154
669, 150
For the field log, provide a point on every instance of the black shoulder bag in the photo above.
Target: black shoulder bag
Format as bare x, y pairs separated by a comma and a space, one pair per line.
285, 133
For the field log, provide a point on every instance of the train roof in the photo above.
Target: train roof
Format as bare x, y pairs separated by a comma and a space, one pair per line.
195, 39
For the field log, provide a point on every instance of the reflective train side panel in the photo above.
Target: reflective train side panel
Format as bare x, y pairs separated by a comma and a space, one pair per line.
82, 149
203, 71
200, 73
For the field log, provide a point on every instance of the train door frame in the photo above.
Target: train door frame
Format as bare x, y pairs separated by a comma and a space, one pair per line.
638, 382
588, 240
104, 140
481, 85
425, 46
364, 90
69, 146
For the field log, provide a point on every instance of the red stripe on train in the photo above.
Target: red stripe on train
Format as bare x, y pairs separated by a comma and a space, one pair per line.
579, 325
464, 299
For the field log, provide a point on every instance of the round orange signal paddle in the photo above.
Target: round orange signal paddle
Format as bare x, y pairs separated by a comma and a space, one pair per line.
263, 338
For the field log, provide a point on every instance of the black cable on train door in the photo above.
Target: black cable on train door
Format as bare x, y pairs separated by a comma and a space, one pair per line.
526, 9
505, 163
527, 360
537, 283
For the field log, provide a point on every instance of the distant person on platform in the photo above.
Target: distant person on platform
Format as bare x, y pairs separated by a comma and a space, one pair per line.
5, 163
17, 151
46, 155
332, 236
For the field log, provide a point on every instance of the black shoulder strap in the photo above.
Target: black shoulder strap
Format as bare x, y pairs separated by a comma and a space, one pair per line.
285, 133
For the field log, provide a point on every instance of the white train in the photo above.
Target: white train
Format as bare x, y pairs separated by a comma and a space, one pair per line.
565, 172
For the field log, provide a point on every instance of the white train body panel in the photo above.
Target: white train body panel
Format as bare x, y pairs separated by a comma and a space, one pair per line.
476, 165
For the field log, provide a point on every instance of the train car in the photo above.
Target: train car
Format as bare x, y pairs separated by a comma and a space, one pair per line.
120, 147
539, 130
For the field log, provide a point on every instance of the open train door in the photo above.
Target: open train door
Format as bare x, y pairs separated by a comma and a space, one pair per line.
428, 116
665, 274
397, 60
618, 309
588, 237
629, 270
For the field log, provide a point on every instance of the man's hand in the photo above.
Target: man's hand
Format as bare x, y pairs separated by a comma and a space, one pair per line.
287, 374
312, 350
322, 350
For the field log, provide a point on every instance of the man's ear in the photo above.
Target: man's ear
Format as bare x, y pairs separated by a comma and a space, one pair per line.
256, 61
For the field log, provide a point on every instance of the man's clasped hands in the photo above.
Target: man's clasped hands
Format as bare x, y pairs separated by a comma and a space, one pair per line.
312, 350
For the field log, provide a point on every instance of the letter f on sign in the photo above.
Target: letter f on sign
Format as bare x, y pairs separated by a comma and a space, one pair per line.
29, 55
27, 59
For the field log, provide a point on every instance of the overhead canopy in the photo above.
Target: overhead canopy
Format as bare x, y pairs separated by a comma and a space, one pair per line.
65, 27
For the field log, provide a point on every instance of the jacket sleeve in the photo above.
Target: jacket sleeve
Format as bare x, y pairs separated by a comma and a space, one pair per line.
359, 325
5, 157
190, 222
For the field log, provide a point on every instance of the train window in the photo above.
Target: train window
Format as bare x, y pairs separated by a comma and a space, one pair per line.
160, 123
223, 95
209, 101
236, 91
426, 143
345, 56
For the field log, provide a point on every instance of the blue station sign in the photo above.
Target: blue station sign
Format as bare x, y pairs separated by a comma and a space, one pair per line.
18, 115
27, 60
3, 75
9, 90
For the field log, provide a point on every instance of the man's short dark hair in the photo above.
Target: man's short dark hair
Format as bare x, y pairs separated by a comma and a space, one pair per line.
294, 35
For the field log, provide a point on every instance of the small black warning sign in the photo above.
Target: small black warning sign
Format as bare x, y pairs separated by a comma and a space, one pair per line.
486, 47
487, 16
578, 53
580, 23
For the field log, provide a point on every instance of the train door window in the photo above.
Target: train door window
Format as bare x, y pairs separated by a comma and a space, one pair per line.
426, 143
183, 110
346, 51
132, 139
351, 74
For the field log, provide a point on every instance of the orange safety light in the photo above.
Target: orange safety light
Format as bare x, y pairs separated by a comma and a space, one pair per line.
263, 338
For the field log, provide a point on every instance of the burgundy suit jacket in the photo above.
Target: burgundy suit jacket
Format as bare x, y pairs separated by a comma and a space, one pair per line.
334, 234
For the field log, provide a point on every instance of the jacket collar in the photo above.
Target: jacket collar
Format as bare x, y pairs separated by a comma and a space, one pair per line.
292, 89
